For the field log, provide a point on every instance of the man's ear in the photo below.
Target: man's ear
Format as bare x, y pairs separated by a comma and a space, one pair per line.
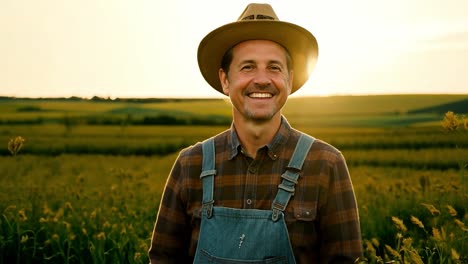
223, 78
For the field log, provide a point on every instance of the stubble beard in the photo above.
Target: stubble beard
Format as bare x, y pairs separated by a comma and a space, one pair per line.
259, 117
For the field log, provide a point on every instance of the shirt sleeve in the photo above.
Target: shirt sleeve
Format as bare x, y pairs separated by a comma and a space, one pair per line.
339, 217
171, 234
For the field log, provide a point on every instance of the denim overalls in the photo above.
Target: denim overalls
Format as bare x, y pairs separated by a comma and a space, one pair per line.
229, 235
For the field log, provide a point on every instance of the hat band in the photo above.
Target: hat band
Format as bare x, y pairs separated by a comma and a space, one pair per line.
258, 17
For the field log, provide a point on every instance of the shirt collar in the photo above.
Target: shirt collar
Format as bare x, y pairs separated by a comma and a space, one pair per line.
273, 147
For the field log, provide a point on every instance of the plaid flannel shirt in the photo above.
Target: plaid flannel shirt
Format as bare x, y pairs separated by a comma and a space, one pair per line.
322, 216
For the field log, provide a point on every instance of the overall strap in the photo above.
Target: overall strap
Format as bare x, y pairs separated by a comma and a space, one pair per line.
291, 175
207, 175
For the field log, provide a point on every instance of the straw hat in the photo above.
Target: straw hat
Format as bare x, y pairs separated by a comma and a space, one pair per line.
258, 21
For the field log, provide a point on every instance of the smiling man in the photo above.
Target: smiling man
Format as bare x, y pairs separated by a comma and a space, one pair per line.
260, 192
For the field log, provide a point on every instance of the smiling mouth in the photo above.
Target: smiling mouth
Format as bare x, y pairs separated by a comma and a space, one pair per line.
260, 95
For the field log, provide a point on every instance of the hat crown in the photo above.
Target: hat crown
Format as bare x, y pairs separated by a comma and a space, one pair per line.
258, 12
258, 21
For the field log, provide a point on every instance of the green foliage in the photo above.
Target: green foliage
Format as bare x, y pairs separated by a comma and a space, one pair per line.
79, 209
400, 209
87, 182
28, 108
336, 111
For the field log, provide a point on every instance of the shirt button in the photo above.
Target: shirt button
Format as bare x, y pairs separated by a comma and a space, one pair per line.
249, 201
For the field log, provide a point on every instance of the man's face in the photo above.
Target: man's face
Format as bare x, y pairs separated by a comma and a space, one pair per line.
259, 81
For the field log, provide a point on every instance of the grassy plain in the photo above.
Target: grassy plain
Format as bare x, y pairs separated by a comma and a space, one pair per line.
82, 192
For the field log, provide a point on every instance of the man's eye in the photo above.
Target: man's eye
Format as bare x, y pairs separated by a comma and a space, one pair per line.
275, 68
247, 67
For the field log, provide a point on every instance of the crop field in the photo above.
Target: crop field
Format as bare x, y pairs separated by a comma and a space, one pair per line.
84, 185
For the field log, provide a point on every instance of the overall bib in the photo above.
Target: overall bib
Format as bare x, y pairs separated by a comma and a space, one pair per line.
229, 235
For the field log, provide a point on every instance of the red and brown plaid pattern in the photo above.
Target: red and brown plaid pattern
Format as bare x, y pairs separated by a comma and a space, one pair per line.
322, 216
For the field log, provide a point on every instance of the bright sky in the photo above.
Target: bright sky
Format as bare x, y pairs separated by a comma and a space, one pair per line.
147, 48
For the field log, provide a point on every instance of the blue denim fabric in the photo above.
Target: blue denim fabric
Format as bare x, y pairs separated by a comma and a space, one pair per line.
229, 235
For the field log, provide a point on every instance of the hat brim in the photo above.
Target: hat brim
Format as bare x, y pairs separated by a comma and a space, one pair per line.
300, 43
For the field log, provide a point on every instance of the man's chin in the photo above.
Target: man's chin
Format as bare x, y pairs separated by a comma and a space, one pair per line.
261, 117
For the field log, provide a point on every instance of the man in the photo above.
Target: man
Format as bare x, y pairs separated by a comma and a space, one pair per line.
260, 192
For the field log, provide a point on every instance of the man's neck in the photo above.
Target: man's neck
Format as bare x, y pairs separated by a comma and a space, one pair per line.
255, 134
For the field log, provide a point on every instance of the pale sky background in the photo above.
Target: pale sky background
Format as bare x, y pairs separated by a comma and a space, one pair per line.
147, 48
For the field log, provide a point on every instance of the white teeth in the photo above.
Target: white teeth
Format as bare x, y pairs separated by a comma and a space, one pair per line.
260, 95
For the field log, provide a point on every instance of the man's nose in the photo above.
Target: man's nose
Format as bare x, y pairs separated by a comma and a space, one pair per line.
262, 78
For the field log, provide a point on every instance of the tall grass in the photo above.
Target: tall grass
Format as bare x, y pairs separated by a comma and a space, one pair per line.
99, 203
98, 209
79, 209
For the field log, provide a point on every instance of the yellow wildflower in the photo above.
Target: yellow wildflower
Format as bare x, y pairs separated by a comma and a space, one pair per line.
106, 224
10, 208
43, 220
137, 256
455, 255
399, 235
143, 246
392, 251
83, 230
72, 236
15, 144
22, 215
432, 209
370, 248
59, 214
436, 234
101, 236
375, 242
55, 237
399, 224
450, 122
93, 215
24, 239
415, 258
460, 224
407, 242
451, 210
46, 210
417, 222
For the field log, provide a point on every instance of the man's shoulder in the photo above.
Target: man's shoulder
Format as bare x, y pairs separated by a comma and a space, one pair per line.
320, 145
196, 149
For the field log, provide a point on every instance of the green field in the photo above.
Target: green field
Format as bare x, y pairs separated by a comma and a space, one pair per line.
86, 184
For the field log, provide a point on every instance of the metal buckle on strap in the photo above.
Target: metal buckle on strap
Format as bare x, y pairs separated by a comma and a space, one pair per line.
275, 215
208, 208
277, 208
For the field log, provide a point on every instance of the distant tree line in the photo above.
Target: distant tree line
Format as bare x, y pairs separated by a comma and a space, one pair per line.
104, 99
162, 119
